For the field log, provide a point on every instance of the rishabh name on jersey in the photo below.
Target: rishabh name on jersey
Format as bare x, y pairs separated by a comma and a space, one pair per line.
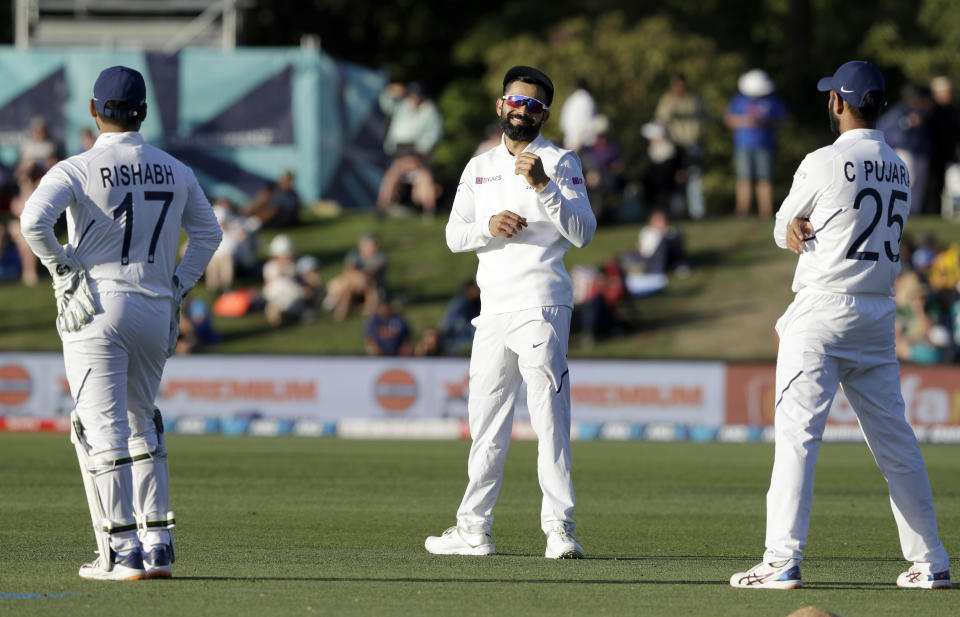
525, 271
126, 223
856, 193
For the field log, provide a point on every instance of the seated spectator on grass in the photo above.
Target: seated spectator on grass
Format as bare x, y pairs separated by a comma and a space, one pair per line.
430, 344
456, 327
415, 128
659, 251
363, 279
308, 273
600, 295
920, 338
282, 291
386, 332
276, 205
196, 327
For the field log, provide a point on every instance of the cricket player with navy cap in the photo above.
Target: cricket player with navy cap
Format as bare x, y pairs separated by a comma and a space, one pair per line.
844, 217
118, 290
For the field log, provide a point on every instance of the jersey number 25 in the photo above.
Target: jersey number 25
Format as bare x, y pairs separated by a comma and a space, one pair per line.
892, 219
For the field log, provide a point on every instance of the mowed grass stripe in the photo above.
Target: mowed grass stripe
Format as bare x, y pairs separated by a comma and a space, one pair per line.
335, 527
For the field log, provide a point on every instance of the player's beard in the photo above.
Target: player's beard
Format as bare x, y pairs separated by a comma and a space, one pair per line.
834, 119
527, 131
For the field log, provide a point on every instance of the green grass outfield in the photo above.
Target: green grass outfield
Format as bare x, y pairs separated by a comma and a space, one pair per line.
291, 526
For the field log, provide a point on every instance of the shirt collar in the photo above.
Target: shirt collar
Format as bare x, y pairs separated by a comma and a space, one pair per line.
132, 137
533, 146
852, 134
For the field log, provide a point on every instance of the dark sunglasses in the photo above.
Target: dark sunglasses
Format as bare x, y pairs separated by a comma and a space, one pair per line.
517, 101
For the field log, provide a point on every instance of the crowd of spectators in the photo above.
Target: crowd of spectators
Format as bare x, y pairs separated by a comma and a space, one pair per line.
928, 302
666, 184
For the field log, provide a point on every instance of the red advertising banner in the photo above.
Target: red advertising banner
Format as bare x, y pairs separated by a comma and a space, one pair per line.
931, 395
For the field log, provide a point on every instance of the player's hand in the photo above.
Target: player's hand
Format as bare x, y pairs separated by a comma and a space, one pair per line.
530, 167
75, 307
506, 224
176, 301
797, 232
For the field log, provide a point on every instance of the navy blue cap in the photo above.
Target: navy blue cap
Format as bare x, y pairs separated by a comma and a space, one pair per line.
528, 72
120, 84
853, 80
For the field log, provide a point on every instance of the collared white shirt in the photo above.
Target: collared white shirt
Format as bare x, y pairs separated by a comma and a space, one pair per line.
856, 194
125, 202
527, 270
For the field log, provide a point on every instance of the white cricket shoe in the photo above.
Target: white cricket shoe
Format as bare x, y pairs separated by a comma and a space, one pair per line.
157, 561
561, 544
456, 541
774, 575
128, 567
920, 577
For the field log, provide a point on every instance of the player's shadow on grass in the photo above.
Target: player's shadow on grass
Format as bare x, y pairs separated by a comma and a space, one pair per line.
370, 579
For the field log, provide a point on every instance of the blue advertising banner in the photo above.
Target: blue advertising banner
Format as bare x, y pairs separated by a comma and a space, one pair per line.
240, 119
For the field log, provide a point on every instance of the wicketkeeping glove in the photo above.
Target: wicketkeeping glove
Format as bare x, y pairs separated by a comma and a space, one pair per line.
75, 307
176, 301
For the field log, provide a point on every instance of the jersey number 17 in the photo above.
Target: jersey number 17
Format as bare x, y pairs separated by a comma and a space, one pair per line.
125, 210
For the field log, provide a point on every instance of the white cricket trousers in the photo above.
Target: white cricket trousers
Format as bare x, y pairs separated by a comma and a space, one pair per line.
114, 365
532, 345
826, 340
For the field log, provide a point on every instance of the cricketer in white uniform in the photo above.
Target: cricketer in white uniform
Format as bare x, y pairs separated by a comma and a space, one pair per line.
118, 299
844, 216
520, 206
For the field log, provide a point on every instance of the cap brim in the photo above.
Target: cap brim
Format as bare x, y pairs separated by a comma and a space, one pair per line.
825, 84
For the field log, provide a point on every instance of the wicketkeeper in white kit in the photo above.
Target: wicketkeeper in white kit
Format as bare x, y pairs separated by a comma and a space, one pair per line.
844, 216
118, 306
520, 206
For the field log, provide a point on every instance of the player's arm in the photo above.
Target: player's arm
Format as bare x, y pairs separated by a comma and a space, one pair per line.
203, 231
565, 201
792, 227
51, 198
464, 232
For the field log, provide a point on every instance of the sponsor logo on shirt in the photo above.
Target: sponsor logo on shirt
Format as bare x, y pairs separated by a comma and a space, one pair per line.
484, 180
577, 180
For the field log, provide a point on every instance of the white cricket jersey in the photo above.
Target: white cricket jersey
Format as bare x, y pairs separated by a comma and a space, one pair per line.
525, 271
856, 193
125, 201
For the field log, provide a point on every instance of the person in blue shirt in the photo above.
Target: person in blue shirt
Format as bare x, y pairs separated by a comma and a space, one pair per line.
754, 115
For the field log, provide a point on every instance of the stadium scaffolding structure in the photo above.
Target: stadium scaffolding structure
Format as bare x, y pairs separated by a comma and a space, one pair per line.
154, 25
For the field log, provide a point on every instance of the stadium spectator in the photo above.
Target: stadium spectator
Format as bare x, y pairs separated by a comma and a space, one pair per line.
87, 139
276, 205
664, 176
29, 179
576, 117
945, 134
415, 128
363, 279
308, 273
430, 344
603, 169
456, 326
282, 291
754, 115
599, 296
236, 253
386, 332
906, 127
682, 111
38, 148
660, 250
494, 135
